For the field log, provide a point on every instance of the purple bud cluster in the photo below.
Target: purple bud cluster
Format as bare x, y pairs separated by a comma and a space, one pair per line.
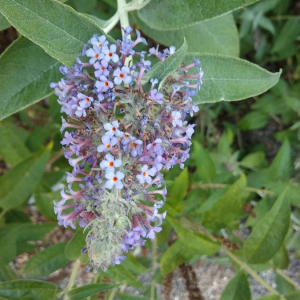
122, 137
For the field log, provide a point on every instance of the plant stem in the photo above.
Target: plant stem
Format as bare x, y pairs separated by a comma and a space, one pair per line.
221, 186
124, 22
112, 22
277, 271
112, 294
242, 264
72, 277
154, 254
246, 268
287, 278
123, 14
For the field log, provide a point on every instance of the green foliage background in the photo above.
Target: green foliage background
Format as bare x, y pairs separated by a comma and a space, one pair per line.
244, 167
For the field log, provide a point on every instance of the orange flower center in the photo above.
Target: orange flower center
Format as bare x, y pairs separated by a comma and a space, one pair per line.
96, 55
107, 146
99, 45
145, 174
115, 179
106, 83
121, 75
87, 99
110, 54
111, 163
113, 129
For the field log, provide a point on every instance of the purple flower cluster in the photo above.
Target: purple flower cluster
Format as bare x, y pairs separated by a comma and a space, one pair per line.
122, 137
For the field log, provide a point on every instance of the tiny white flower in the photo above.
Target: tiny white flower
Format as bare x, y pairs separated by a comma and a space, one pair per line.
112, 129
108, 143
114, 180
145, 175
110, 163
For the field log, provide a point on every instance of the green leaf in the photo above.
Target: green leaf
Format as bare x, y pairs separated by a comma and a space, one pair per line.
281, 259
4, 24
268, 234
287, 35
47, 261
123, 296
231, 203
12, 148
44, 202
179, 190
230, 79
8, 249
217, 36
14, 239
254, 160
16, 216
198, 242
281, 165
7, 273
28, 289
184, 249
133, 264
120, 274
56, 27
26, 72
176, 14
237, 288
175, 255
74, 246
18, 183
270, 297
83, 5
162, 70
293, 296
283, 286
206, 169
87, 290
30, 232
253, 120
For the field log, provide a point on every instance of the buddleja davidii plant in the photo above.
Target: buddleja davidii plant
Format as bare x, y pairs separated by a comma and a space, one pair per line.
162, 98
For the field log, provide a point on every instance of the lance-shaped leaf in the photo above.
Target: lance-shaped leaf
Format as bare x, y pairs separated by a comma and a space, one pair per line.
74, 246
89, 289
179, 190
188, 245
270, 297
162, 70
206, 169
12, 148
231, 202
18, 183
281, 165
268, 234
4, 24
56, 27
44, 202
28, 289
217, 36
176, 14
47, 261
26, 73
229, 79
237, 288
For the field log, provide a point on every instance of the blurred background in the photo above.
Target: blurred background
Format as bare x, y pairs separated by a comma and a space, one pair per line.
258, 137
